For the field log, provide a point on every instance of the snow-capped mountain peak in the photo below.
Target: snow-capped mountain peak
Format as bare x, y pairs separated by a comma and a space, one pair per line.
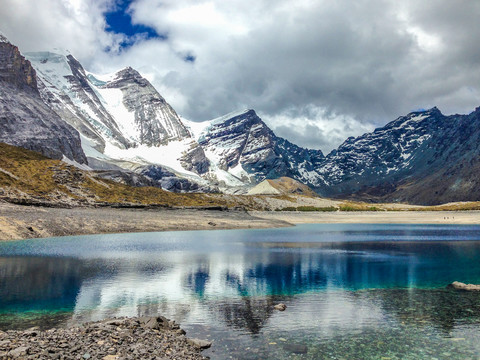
199, 129
242, 145
120, 121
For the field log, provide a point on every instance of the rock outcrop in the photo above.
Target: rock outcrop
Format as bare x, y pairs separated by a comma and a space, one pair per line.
25, 120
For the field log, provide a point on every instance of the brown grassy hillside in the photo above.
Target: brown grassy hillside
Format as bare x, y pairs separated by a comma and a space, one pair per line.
28, 177
288, 185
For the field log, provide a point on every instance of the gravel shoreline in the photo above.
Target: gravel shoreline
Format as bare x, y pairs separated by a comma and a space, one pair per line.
111, 339
26, 222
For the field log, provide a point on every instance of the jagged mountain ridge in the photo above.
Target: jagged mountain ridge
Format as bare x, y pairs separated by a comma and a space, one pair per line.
122, 108
440, 166
387, 153
123, 122
121, 116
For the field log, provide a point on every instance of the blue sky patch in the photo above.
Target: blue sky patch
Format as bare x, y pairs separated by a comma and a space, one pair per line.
120, 22
189, 58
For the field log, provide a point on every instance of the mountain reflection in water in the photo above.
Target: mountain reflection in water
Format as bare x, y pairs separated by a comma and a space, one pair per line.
223, 284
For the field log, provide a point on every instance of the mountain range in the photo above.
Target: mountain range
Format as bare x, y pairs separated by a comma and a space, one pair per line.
120, 126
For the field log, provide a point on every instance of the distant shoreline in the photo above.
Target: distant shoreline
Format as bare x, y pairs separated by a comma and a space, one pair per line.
24, 222
468, 217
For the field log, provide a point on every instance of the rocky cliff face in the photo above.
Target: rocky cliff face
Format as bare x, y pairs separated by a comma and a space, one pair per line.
25, 120
15, 70
162, 177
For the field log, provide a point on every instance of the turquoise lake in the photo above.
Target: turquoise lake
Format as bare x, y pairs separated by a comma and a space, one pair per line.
353, 291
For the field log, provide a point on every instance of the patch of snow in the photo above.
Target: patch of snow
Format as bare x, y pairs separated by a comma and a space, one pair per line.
125, 119
197, 129
167, 155
103, 78
308, 176
407, 123
76, 164
221, 175
422, 138
419, 118
238, 171
88, 146
53, 65
226, 177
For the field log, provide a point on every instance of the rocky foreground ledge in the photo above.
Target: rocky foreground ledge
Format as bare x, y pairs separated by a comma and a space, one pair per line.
112, 339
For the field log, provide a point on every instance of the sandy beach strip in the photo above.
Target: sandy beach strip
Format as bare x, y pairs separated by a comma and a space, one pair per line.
372, 217
24, 222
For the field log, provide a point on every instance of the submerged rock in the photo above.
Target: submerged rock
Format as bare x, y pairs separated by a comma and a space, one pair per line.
296, 348
456, 285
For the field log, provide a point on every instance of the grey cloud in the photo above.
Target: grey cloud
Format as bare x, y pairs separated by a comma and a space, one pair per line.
368, 60
311, 136
357, 61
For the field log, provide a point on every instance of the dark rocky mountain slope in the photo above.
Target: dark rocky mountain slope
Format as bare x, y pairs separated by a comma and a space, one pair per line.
244, 145
422, 158
25, 120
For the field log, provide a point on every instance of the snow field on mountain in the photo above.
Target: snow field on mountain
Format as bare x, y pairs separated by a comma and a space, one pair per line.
168, 155
222, 175
125, 119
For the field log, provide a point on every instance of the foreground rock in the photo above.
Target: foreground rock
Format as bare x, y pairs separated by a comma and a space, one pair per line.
112, 339
456, 285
